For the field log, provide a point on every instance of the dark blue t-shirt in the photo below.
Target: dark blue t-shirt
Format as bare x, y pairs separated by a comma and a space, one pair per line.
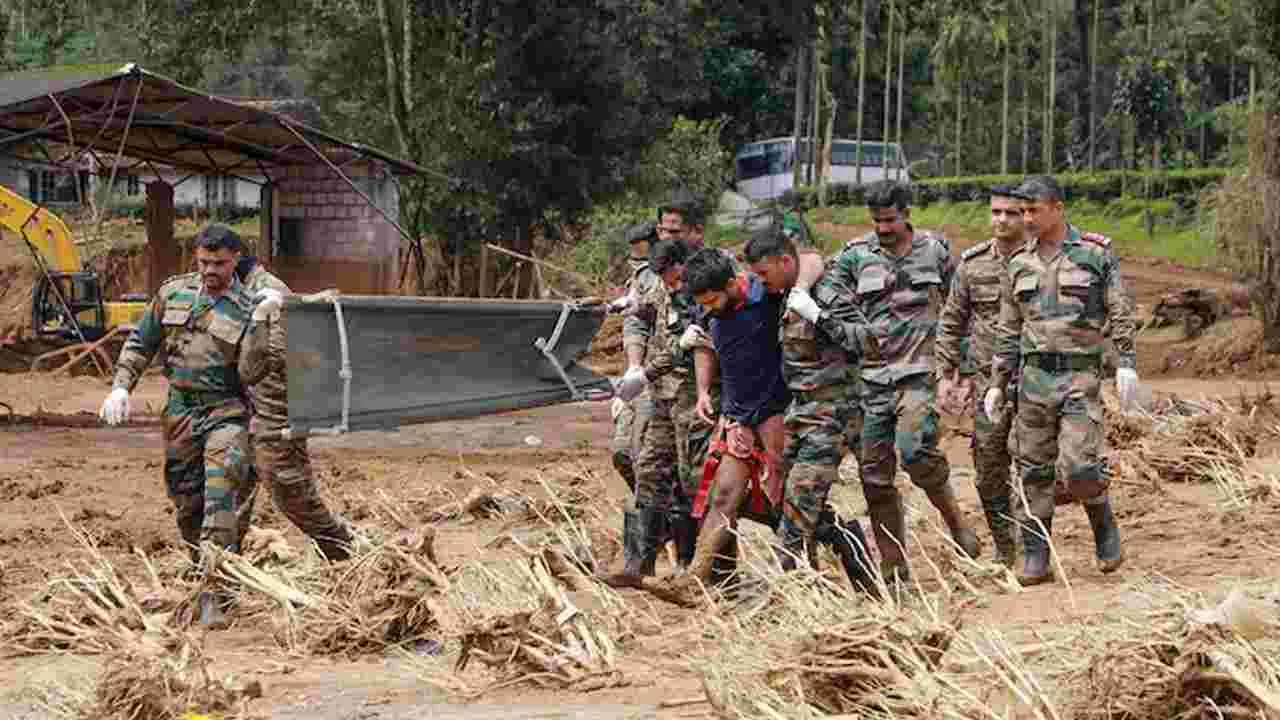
746, 339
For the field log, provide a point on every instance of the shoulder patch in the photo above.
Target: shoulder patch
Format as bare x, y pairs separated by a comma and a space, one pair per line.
1096, 239
976, 250
863, 240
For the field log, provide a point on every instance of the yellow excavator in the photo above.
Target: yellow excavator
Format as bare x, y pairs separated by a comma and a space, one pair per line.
66, 301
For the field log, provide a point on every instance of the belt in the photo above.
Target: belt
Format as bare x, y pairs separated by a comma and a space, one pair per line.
1063, 362
203, 397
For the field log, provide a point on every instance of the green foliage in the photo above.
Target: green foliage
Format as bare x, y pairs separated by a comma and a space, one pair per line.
1099, 186
604, 242
1146, 93
689, 154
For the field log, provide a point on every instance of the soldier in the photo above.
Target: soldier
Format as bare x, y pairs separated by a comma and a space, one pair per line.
682, 218
628, 418
820, 374
897, 277
283, 462
1060, 290
196, 324
675, 439
965, 345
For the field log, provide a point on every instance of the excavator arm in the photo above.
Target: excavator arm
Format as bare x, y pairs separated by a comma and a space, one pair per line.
66, 300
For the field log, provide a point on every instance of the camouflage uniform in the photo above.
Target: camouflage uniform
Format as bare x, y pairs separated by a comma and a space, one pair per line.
1052, 319
637, 326
819, 373
898, 300
199, 342
283, 462
966, 343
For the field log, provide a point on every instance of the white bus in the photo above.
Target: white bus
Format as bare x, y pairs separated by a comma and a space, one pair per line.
763, 170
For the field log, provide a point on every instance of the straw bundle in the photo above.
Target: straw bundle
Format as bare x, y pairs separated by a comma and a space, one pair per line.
554, 645
142, 683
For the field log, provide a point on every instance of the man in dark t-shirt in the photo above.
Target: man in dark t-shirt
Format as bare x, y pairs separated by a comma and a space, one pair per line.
754, 398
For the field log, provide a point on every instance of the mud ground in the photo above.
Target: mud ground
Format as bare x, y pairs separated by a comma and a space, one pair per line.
58, 467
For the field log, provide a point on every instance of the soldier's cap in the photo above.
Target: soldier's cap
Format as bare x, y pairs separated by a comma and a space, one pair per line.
683, 201
217, 236
1038, 187
640, 232
1009, 191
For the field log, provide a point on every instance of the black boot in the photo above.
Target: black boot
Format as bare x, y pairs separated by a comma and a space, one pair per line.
655, 531
1036, 565
626, 468
850, 545
684, 530
999, 519
1106, 535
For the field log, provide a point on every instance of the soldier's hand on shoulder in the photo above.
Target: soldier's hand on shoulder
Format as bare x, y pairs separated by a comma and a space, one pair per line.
268, 304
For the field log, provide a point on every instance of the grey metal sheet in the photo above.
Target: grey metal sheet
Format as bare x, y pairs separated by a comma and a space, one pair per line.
416, 360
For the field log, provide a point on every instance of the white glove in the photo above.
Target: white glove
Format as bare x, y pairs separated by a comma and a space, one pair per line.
632, 384
993, 403
692, 336
803, 304
1127, 386
616, 407
621, 304
269, 302
115, 409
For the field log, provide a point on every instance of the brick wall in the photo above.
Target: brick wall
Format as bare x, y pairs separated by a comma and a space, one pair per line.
344, 242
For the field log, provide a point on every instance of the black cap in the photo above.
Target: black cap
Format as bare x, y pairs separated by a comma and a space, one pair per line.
1036, 187
640, 232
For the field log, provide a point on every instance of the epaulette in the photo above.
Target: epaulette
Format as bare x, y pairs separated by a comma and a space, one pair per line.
976, 250
1096, 239
174, 282
861, 240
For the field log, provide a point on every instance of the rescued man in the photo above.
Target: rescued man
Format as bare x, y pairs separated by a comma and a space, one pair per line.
196, 324
820, 375
629, 418
898, 277
744, 326
283, 462
1061, 290
967, 336
675, 438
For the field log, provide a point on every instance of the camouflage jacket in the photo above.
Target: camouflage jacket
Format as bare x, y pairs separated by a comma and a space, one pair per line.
967, 328
1063, 305
639, 322
815, 365
262, 361
668, 367
897, 302
197, 338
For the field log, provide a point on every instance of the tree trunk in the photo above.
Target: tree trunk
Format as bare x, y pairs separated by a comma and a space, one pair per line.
1004, 102
888, 73
395, 103
1268, 163
802, 73
817, 102
1051, 41
862, 88
1026, 117
959, 114
902, 62
1231, 100
1093, 83
406, 64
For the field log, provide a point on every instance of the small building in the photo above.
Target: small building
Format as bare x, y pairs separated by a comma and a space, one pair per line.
328, 208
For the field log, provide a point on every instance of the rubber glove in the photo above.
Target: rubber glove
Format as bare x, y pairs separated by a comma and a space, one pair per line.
268, 306
993, 403
1127, 386
692, 336
616, 407
621, 304
632, 384
803, 304
115, 409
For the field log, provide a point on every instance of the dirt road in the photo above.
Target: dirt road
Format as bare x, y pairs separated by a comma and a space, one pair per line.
107, 483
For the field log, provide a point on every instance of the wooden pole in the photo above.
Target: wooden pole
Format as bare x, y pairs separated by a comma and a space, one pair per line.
536, 261
482, 283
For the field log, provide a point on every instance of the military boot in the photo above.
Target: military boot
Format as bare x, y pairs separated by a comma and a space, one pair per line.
633, 541
1036, 563
656, 531
1106, 535
888, 524
684, 529
997, 510
944, 499
849, 545
626, 468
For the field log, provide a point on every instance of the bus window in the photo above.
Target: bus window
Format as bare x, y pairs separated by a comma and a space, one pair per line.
763, 159
846, 153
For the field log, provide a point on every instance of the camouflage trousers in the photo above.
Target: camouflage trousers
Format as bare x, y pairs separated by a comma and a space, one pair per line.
901, 417
1058, 434
673, 447
815, 446
990, 446
854, 420
285, 465
206, 469
628, 429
